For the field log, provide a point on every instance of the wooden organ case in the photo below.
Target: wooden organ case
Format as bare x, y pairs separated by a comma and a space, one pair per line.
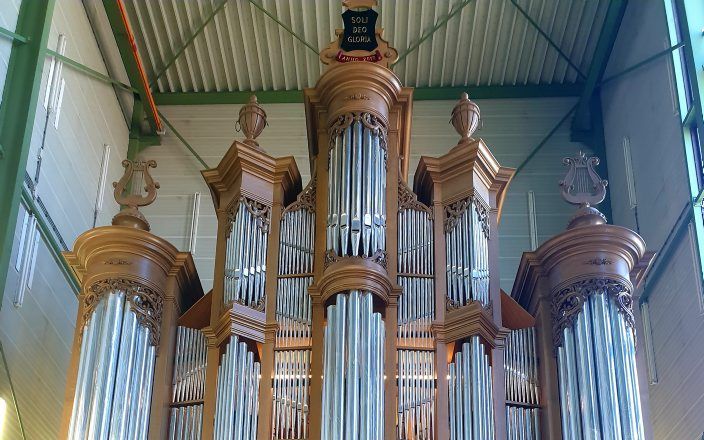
358, 307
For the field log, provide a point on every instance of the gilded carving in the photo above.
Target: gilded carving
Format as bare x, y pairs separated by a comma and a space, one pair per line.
117, 262
407, 199
146, 303
568, 303
357, 97
599, 262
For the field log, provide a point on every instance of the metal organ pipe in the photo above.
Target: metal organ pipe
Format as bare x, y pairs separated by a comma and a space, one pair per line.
236, 407
292, 358
521, 371
190, 364
353, 381
470, 393
599, 396
356, 221
467, 252
115, 373
245, 260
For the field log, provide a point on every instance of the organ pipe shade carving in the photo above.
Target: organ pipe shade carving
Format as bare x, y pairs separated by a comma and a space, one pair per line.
471, 393
245, 262
353, 381
467, 252
521, 373
237, 404
599, 393
115, 373
356, 224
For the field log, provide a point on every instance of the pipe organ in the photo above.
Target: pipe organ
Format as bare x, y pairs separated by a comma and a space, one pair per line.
363, 306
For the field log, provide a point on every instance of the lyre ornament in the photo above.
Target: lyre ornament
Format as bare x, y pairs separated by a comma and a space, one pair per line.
465, 117
130, 215
583, 187
252, 121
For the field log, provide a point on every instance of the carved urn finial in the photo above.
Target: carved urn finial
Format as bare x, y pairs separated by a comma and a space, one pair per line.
252, 121
136, 174
583, 187
465, 117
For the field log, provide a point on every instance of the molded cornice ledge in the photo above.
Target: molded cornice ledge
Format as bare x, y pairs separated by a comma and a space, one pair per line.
352, 273
470, 320
249, 171
468, 167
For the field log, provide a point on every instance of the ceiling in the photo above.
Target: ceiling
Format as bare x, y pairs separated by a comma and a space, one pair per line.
249, 45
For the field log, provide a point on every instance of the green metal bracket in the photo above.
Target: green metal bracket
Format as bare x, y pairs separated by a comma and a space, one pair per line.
90, 72
547, 37
612, 22
288, 28
188, 42
440, 23
19, 104
640, 64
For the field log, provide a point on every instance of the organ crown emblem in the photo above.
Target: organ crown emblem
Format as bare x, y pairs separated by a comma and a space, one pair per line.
583, 187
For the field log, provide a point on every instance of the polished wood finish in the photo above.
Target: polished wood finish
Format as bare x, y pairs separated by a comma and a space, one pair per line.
128, 253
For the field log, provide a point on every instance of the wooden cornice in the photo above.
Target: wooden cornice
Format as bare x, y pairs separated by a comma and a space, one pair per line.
469, 320
239, 320
354, 274
246, 160
456, 171
589, 251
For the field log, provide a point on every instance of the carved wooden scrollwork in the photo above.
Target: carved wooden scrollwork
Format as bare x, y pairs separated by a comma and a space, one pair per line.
374, 124
260, 211
306, 199
567, 303
146, 303
407, 199
454, 211
378, 257
451, 304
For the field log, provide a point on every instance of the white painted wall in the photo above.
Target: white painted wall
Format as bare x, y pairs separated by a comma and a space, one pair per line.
642, 106
512, 128
37, 336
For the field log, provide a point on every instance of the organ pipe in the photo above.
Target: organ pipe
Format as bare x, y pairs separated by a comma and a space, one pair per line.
190, 364
467, 252
521, 373
116, 366
356, 224
353, 375
471, 393
237, 404
245, 261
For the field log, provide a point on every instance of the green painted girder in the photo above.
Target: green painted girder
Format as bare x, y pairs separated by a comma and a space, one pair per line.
419, 94
612, 22
19, 104
125, 47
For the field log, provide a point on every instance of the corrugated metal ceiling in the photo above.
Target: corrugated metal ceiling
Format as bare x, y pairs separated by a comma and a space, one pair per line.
486, 42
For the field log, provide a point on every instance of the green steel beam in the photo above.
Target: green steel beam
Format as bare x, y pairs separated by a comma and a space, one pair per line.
419, 94
640, 64
17, 111
188, 42
582, 121
9, 34
544, 141
90, 72
125, 47
288, 28
184, 141
440, 23
547, 37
